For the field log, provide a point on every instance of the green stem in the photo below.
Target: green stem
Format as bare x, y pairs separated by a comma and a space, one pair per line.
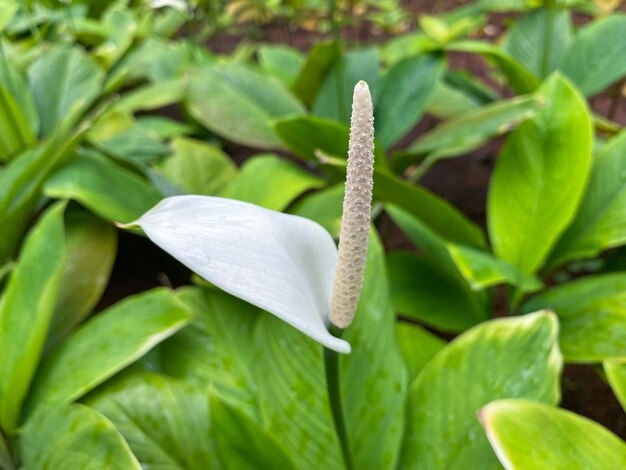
331, 363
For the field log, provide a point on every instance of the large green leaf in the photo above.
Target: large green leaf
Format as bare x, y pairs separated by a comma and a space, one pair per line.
324, 207
434, 212
15, 131
467, 132
311, 76
334, 99
404, 91
112, 192
282, 61
311, 137
14, 81
425, 291
242, 443
374, 426
8, 9
166, 422
519, 77
198, 168
539, 39
74, 437
592, 315
26, 308
239, 103
597, 55
216, 348
20, 186
615, 371
289, 371
106, 344
64, 82
601, 220
478, 268
90, 247
526, 434
170, 424
152, 96
540, 177
270, 181
418, 347
503, 358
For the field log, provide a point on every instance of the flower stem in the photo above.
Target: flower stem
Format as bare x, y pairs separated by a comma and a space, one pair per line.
331, 363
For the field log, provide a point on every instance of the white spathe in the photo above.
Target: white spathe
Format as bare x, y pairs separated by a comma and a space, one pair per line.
282, 263
180, 5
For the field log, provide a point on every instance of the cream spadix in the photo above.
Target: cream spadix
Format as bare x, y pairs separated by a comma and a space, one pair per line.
282, 263
357, 208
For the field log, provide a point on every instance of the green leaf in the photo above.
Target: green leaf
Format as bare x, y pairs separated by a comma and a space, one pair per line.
90, 247
539, 39
615, 371
503, 358
15, 132
312, 137
198, 168
467, 132
592, 312
105, 188
72, 437
152, 96
311, 76
122, 28
601, 220
166, 422
106, 344
404, 91
14, 81
289, 370
540, 177
239, 104
270, 181
526, 434
242, 443
8, 9
216, 348
334, 100
448, 101
20, 186
434, 212
76, 81
424, 291
324, 207
596, 57
375, 364
519, 77
418, 347
281, 61
26, 308
480, 269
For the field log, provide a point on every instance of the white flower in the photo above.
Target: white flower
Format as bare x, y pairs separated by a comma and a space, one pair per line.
282, 263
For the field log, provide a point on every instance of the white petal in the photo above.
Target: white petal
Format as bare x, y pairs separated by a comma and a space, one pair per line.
282, 263
180, 5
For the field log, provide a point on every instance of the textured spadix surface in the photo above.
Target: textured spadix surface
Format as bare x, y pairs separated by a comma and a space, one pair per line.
282, 263
357, 208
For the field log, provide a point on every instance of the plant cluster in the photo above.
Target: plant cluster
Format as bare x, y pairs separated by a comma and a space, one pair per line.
105, 112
